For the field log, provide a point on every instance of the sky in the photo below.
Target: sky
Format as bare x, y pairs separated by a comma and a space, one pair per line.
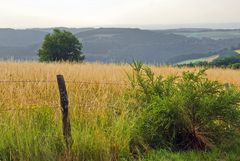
129, 13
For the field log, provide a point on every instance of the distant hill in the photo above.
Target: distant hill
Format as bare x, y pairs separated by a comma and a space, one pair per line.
72, 30
199, 33
149, 46
20, 38
120, 44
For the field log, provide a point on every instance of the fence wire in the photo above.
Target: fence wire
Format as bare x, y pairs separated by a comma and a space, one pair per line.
70, 82
20, 109
34, 108
51, 81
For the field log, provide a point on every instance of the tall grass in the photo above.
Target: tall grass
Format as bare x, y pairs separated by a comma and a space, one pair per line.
100, 117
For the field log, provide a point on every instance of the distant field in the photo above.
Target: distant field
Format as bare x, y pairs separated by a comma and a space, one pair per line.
208, 59
216, 35
101, 121
238, 51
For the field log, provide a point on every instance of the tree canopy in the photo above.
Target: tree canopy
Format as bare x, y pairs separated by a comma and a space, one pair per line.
61, 46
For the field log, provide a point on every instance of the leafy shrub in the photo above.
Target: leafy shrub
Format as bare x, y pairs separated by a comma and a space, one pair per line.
235, 66
182, 113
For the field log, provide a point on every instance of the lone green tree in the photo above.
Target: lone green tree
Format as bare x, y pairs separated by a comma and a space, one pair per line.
61, 46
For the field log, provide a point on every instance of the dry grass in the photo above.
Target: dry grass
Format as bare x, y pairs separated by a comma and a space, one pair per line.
12, 94
95, 72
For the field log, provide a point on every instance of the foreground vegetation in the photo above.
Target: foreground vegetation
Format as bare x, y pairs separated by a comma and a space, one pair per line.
103, 116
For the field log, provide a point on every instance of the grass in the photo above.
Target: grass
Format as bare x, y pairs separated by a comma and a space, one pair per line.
215, 155
100, 117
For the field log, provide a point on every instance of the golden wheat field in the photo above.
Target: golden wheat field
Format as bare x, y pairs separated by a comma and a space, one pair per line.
96, 72
89, 84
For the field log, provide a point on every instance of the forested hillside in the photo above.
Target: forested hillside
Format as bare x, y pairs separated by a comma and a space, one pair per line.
121, 44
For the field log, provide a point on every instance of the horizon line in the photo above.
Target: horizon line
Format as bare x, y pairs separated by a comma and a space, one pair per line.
234, 25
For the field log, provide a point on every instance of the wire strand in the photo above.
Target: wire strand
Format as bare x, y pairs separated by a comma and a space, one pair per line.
73, 82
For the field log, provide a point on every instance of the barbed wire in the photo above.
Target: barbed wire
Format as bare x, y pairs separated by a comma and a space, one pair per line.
71, 82
50, 107
25, 81
21, 109
51, 81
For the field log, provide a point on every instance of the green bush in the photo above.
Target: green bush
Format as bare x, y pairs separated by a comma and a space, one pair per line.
235, 66
182, 113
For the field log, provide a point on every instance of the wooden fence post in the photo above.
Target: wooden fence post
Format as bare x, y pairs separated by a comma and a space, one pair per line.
65, 117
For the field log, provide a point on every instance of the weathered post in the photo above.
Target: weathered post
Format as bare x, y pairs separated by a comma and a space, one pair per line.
65, 117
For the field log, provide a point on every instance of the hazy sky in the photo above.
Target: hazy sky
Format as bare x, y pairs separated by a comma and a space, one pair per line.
84, 13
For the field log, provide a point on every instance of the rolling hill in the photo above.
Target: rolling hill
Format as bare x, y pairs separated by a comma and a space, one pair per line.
120, 44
